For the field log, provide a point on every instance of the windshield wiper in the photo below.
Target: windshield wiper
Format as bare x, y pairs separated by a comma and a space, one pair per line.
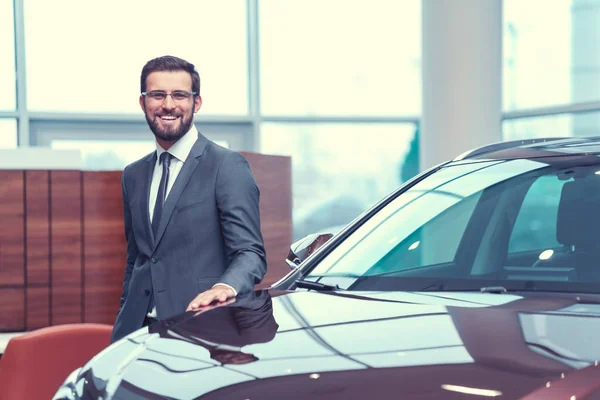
321, 287
443, 287
434, 287
493, 289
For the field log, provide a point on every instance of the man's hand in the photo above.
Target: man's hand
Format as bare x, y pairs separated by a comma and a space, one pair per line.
218, 293
212, 306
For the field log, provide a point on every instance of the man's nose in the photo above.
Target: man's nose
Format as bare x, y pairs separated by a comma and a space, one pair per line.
168, 103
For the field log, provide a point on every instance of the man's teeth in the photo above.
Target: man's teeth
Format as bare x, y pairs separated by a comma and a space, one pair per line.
168, 117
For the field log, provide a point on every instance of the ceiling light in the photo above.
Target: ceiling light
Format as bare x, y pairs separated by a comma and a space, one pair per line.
414, 245
546, 254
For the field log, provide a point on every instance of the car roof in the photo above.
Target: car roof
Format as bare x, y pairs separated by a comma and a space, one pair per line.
534, 148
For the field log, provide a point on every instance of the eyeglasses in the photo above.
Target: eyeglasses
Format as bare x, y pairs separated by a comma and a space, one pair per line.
159, 95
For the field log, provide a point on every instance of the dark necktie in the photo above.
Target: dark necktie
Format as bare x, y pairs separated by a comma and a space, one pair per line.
165, 161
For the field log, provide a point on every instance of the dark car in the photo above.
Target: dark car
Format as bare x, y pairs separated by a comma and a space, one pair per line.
479, 278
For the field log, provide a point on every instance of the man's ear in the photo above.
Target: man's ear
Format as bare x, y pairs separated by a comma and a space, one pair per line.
142, 104
197, 103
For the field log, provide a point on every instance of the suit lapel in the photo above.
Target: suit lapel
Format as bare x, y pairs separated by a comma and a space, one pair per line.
189, 166
151, 160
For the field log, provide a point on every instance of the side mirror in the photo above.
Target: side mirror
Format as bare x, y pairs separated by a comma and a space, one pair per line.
303, 248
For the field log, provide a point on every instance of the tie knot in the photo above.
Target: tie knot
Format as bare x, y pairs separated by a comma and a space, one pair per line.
165, 158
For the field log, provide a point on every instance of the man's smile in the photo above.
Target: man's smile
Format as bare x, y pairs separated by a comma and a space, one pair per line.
168, 118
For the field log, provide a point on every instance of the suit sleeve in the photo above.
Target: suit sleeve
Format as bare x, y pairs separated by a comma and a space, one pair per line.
132, 250
254, 319
238, 202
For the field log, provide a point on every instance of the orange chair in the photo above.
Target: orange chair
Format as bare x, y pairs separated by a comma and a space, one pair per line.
36, 363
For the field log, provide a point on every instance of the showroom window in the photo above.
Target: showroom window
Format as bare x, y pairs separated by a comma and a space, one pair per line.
538, 55
110, 41
340, 170
561, 125
340, 58
7, 58
551, 71
340, 92
101, 155
8, 133
276, 78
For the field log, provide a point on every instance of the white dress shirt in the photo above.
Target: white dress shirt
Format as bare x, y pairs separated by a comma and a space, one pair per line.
180, 151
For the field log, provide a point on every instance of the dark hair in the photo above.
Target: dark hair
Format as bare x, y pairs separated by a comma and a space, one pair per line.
170, 63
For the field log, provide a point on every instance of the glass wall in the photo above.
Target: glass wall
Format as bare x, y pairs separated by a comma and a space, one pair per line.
8, 133
562, 125
551, 60
336, 85
338, 57
7, 56
88, 58
99, 153
339, 61
339, 170
537, 53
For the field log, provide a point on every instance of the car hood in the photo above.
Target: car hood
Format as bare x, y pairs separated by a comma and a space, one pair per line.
344, 346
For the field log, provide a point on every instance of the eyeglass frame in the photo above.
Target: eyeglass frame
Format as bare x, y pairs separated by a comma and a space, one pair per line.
189, 94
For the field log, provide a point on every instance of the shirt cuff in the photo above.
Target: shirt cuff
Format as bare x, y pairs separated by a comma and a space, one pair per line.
230, 287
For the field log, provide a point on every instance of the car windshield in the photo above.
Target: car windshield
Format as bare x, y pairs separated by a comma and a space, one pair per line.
523, 224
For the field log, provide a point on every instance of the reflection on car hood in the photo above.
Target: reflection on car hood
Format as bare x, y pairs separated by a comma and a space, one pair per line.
344, 346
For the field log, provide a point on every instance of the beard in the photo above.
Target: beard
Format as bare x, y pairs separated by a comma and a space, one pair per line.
169, 133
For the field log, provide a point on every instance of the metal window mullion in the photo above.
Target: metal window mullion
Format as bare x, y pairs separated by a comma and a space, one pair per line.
125, 118
340, 119
21, 82
572, 108
9, 114
252, 38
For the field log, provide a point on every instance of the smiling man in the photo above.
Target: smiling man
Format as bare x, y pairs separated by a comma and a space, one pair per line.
191, 209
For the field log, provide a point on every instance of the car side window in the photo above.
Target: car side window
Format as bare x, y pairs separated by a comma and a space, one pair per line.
434, 243
535, 226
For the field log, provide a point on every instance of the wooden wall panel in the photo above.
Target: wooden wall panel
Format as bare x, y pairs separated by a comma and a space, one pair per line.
12, 227
38, 226
38, 307
37, 239
273, 175
104, 245
62, 246
65, 257
12, 311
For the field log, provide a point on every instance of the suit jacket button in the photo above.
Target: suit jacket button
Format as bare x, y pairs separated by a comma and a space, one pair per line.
154, 260
147, 291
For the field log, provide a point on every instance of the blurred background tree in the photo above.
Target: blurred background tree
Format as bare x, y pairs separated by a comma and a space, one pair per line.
410, 166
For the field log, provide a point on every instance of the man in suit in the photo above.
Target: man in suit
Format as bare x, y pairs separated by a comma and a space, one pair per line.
191, 209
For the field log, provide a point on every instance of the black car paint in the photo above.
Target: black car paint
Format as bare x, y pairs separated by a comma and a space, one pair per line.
345, 346
336, 345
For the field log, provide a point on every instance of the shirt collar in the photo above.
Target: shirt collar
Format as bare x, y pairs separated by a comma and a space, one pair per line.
181, 148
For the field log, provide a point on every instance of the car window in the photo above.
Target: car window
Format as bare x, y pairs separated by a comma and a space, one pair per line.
436, 242
522, 222
395, 230
535, 227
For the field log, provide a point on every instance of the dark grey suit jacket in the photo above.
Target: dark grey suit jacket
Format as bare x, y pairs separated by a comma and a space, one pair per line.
209, 233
